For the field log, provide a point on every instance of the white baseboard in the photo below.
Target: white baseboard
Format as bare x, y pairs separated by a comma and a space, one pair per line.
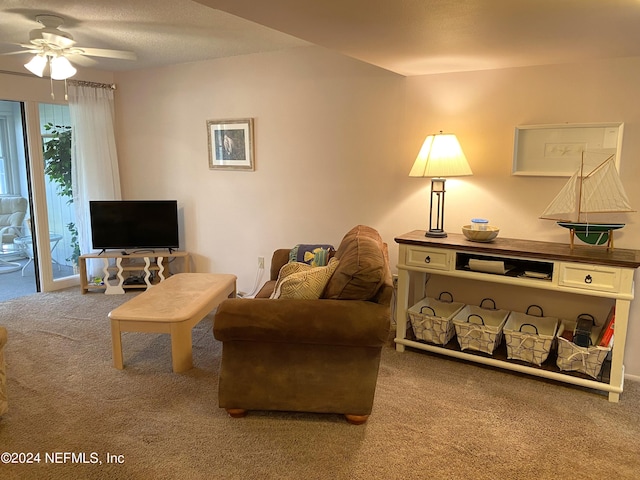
633, 378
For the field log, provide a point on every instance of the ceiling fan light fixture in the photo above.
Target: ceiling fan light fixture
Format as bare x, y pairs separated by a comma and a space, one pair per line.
37, 64
61, 68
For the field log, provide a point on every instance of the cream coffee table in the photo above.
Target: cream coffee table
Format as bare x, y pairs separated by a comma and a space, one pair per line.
174, 306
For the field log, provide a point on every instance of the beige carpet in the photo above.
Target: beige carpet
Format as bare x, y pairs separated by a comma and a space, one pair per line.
433, 418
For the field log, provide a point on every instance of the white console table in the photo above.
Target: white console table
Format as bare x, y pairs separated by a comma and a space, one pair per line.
143, 261
591, 271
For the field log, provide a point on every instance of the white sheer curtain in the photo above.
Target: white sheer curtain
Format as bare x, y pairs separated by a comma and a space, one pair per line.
94, 159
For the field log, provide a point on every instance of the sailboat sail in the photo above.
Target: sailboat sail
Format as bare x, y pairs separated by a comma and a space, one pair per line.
565, 203
600, 191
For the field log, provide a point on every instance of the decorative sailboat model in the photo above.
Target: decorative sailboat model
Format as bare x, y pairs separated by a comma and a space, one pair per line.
600, 191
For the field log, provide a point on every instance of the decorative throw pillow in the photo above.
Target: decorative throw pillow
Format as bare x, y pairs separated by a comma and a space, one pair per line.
299, 280
314, 255
363, 266
286, 270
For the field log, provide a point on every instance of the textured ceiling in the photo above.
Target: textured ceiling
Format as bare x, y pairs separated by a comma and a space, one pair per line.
160, 32
414, 37
410, 37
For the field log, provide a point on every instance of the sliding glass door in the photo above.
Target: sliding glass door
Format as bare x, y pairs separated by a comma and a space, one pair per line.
37, 250
17, 276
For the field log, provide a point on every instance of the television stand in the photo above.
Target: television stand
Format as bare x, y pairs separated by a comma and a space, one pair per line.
147, 262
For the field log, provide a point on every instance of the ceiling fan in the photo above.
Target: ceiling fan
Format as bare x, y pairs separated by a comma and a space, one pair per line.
51, 46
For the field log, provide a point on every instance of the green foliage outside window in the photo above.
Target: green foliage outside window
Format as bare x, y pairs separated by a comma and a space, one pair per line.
57, 158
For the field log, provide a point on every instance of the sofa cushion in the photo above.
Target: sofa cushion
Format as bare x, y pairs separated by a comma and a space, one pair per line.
363, 266
300, 280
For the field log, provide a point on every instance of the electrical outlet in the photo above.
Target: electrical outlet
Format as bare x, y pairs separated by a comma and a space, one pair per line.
260, 262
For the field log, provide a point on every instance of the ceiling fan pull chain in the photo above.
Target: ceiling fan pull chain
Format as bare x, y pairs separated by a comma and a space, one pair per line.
66, 91
53, 97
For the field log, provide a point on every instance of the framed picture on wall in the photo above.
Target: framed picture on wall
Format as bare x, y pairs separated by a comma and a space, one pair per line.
231, 144
557, 150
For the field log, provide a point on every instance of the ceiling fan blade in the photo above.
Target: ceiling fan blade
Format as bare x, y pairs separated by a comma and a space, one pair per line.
103, 52
82, 60
19, 52
30, 47
59, 40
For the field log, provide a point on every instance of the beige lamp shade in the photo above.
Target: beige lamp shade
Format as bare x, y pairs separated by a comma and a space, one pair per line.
441, 156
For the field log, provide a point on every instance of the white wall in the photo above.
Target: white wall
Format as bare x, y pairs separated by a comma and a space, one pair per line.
483, 108
327, 130
334, 143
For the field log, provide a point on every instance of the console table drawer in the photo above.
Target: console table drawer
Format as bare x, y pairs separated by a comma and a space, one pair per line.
589, 277
427, 258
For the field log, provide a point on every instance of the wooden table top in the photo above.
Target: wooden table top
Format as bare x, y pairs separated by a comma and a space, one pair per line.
178, 298
618, 257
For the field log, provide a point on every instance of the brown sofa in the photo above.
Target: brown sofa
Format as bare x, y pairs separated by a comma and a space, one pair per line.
310, 355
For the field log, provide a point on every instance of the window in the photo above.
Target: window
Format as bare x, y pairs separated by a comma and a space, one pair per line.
56, 140
10, 119
4, 160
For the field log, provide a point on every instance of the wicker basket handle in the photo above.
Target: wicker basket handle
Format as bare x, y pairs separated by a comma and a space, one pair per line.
491, 300
587, 316
534, 306
475, 315
446, 293
529, 325
427, 306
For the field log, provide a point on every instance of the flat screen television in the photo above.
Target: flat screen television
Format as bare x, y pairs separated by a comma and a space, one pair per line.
134, 224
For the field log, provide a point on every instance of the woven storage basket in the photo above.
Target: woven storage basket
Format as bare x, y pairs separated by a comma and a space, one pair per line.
572, 357
530, 337
431, 318
480, 328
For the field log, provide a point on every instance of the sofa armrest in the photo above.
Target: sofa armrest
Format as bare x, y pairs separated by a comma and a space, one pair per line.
278, 260
335, 322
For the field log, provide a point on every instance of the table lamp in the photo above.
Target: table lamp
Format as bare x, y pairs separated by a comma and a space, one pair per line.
440, 156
